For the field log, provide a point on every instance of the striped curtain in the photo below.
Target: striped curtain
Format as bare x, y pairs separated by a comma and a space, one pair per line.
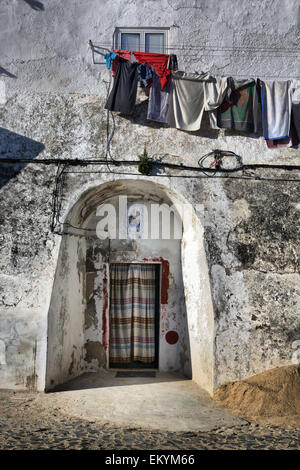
132, 313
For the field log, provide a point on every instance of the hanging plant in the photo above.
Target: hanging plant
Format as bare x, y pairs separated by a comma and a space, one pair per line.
146, 163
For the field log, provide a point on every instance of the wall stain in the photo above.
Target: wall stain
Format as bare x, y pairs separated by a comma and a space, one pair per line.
104, 309
72, 363
31, 380
95, 350
165, 272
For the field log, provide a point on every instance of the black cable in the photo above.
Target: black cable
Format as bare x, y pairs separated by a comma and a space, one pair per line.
248, 176
81, 162
216, 157
109, 135
68, 224
57, 196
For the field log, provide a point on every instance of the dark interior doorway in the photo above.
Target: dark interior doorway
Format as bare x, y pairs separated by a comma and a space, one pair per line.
134, 315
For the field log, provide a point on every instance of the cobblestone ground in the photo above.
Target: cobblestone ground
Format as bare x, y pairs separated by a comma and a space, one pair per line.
28, 421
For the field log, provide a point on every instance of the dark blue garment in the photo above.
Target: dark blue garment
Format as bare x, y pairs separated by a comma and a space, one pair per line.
144, 74
123, 94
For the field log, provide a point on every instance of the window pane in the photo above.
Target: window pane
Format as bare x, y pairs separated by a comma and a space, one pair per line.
154, 43
130, 41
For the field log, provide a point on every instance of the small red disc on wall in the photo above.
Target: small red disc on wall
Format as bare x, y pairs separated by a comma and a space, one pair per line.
172, 337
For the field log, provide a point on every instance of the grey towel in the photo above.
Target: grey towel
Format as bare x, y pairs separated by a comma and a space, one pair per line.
186, 104
158, 107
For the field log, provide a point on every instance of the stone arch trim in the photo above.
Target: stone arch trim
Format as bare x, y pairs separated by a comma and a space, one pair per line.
197, 292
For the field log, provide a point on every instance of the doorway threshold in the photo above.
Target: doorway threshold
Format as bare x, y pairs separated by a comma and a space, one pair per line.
135, 373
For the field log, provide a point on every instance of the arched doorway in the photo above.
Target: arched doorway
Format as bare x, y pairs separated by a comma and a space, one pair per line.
79, 314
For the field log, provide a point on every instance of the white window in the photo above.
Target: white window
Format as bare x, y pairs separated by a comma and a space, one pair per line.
142, 39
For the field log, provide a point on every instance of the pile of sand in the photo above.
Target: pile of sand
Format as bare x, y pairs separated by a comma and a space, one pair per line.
272, 397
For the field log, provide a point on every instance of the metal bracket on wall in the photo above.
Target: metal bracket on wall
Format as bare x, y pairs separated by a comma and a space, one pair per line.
98, 50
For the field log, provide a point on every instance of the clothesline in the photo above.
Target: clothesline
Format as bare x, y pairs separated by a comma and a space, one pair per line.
215, 70
179, 98
200, 46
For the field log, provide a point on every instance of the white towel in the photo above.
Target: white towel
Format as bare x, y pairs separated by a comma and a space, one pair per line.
276, 109
214, 94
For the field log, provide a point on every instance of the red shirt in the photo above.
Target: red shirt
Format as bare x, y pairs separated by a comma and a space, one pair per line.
159, 62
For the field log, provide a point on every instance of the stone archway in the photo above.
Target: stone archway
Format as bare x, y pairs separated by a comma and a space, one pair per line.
78, 315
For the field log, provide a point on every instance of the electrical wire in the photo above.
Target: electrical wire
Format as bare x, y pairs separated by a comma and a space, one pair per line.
83, 163
57, 196
216, 161
211, 48
59, 223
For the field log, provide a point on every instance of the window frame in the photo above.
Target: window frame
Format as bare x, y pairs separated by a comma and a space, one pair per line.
142, 31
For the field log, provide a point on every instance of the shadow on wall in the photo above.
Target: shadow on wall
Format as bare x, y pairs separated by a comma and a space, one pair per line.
13, 146
139, 117
35, 5
5, 72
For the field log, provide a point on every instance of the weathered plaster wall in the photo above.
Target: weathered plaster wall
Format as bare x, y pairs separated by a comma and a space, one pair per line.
27, 272
255, 291
264, 239
54, 108
65, 334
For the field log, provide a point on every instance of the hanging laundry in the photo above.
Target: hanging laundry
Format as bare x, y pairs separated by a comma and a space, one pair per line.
173, 64
239, 110
215, 92
159, 62
123, 94
108, 58
276, 100
126, 55
292, 141
144, 74
294, 132
281, 143
158, 107
296, 116
186, 104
